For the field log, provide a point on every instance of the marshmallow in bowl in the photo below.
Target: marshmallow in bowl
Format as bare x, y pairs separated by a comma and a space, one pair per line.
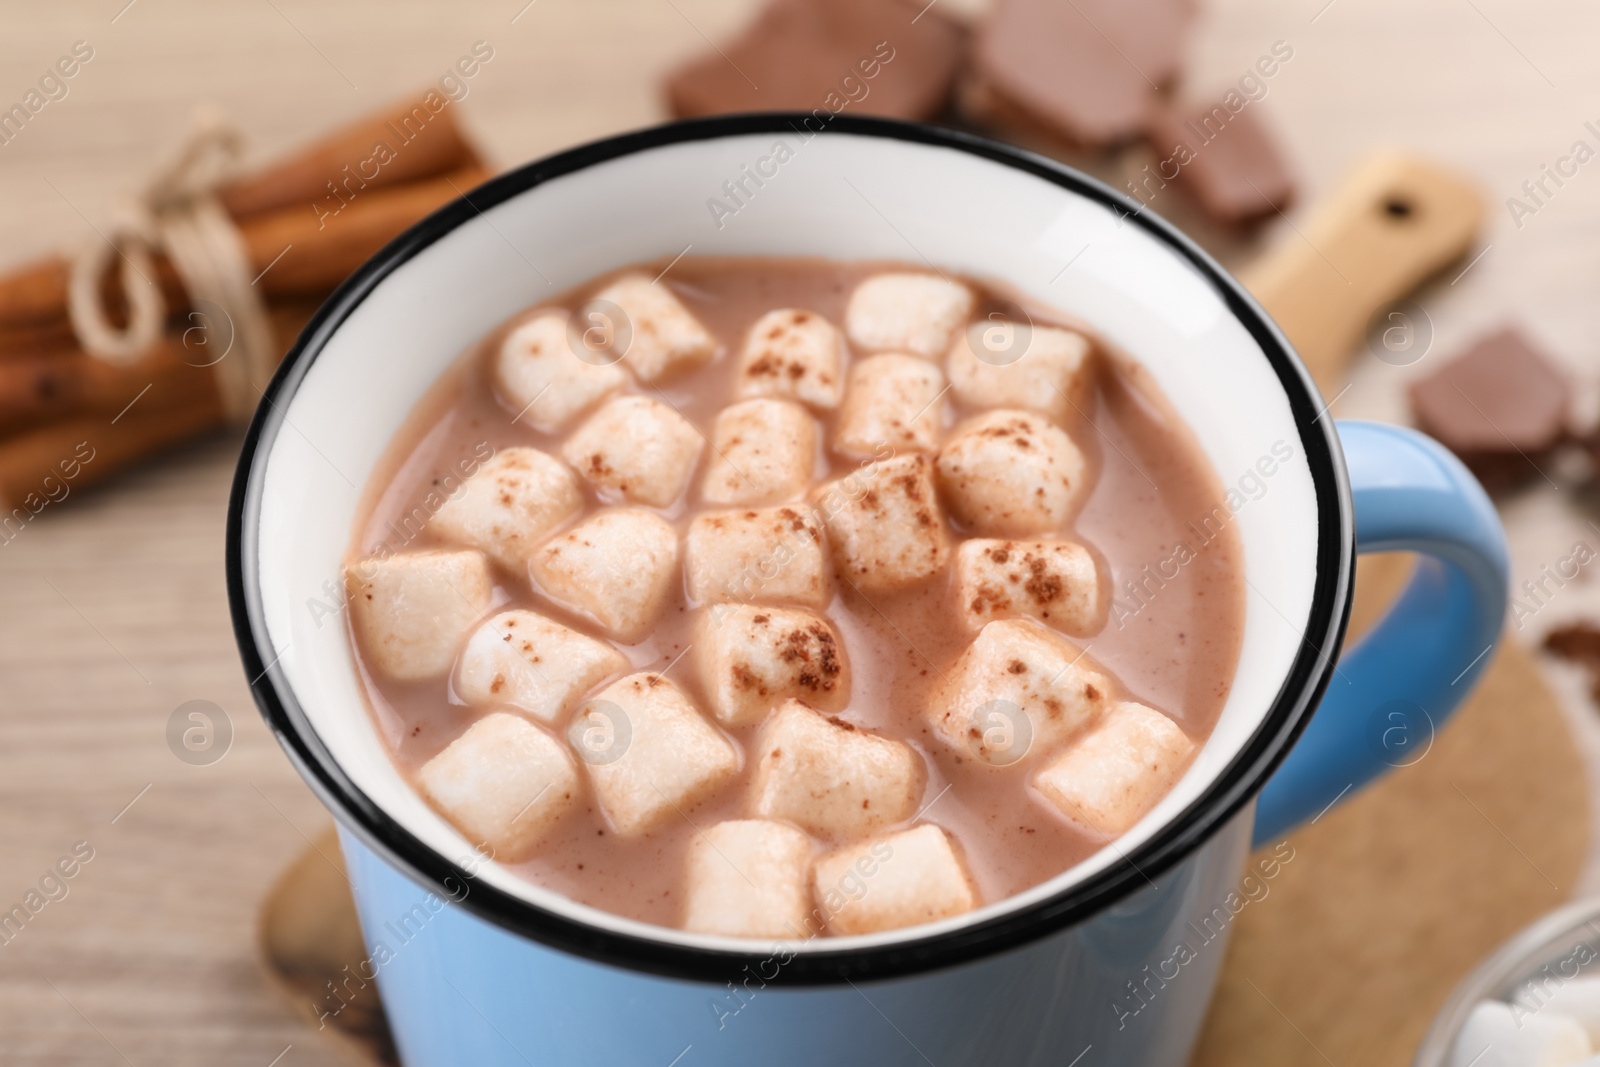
757, 556
1049, 370
615, 568
748, 878
1577, 998
831, 777
412, 610
1018, 689
891, 404
504, 782
884, 524
663, 336
1010, 473
527, 661
637, 449
1495, 1035
902, 312
509, 505
793, 354
762, 452
650, 754
542, 378
753, 657
901, 879
1055, 582
1108, 778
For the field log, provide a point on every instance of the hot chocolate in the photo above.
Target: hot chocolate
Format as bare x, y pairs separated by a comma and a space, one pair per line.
785, 597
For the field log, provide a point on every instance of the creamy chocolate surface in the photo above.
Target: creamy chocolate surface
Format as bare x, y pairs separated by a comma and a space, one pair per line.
1173, 646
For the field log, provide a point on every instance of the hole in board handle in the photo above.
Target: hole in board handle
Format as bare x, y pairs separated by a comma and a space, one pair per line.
1398, 207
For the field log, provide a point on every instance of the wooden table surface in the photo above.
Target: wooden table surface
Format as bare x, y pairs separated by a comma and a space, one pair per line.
114, 608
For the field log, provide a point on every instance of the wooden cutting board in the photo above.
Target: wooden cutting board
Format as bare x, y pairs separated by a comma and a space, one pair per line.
1395, 895
1391, 897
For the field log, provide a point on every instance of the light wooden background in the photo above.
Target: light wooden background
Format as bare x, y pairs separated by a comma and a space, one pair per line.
112, 609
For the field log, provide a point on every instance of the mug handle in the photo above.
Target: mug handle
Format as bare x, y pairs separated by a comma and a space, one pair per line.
1405, 677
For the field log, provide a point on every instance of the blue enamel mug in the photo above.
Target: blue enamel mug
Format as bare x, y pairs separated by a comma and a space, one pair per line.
1113, 961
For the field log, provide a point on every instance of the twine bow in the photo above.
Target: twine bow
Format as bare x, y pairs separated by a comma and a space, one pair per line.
179, 214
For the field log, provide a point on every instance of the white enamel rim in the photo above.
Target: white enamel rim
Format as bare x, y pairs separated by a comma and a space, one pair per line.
864, 189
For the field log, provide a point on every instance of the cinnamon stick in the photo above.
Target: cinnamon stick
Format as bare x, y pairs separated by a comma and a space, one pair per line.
326, 250
43, 388
70, 381
181, 402
412, 143
40, 469
33, 299
297, 252
406, 143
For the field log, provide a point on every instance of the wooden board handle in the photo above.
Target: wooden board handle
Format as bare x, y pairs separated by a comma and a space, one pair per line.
1392, 223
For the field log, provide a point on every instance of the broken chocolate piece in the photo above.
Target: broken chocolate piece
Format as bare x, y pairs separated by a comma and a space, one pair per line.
1579, 643
872, 57
1589, 443
1226, 160
1088, 72
1502, 407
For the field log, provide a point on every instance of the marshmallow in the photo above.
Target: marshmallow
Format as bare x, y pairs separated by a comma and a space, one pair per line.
635, 449
899, 880
1011, 474
762, 451
616, 568
830, 777
509, 505
411, 611
748, 878
504, 782
542, 377
885, 525
651, 755
1017, 688
1038, 368
763, 556
662, 336
891, 405
795, 355
1055, 582
527, 661
752, 658
916, 313
1107, 779
1494, 1036
1576, 998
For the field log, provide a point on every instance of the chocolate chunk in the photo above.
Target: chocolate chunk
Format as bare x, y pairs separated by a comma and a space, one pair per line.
1579, 643
870, 57
1501, 406
1589, 442
1086, 71
1224, 156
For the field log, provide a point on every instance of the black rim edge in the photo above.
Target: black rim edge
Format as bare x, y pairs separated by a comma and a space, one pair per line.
1239, 781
